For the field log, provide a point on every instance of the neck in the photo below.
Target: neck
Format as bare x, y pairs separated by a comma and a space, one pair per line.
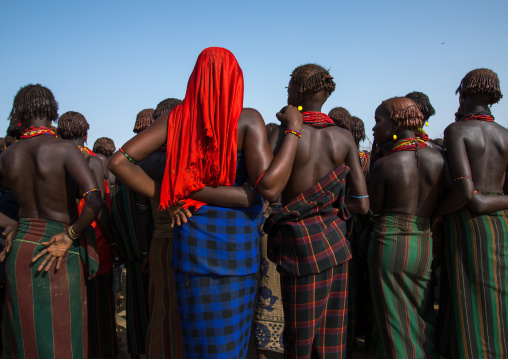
403, 133
79, 141
40, 122
312, 108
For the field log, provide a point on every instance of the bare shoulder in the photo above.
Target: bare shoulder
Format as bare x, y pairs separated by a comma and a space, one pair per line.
250, 116
96, 164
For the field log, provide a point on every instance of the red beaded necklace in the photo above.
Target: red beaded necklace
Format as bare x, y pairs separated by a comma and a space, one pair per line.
86, 150
317, 119
420, 133
34, 131
408, 144
480, 117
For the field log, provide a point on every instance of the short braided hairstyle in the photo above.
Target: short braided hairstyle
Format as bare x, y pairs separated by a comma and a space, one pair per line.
270, 128
165, 106
357, 130
312, 78
404, 112
143, 120
33, 101
481, 81
105, 146
72, 125
423, 103
341, 117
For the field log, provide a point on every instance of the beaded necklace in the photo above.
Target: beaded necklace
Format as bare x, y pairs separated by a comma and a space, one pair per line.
86, 150
408, 144
479, 116
420, 133
34, 131
317, 119
364, 160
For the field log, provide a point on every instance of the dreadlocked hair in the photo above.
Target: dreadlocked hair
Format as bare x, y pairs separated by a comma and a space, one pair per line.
9, 140
72, 125
423, 103
143, 120
459, 114
481, 81
2, 144
341, 117
33, 101
164, 106
404, 112
14, 130
270, 128
357, 130
105, 146
313, 78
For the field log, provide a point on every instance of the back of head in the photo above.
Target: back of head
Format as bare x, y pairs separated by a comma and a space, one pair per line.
2, 144
481, 81
404, 112
33, 101
357, 130
143, 120
312, 78
165, 106
423, 103
72, 125
105, 146
270, 128
341, 117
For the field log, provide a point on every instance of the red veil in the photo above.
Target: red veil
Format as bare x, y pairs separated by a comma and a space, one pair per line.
203, 130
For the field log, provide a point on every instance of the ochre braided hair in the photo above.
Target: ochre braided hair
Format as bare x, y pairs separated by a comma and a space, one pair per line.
164, 106
341, 117
312, 78
33, 101
357, 130
269, 129
404, 112
105, 146
481, 81
72, 125
423, 103
143, 120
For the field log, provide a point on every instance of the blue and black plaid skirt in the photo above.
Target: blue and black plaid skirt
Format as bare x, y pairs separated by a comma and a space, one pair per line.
215, 314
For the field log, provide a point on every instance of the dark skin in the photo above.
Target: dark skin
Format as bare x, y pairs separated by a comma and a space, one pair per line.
45, 173
251, 139
479, 150
399, 185
319, 152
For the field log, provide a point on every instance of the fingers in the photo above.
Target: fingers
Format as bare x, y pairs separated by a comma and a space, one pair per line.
58, 262
44, 262
50, 263
183, 217
41, 253
187, 212
172, 222
2, 256
177, 219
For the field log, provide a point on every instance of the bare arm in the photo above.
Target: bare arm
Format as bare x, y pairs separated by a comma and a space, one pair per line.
356, 181
226, 196
484, 203
377, 187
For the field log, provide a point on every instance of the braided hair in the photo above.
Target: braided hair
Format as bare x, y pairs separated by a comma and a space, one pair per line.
105, 146
143, 120
423, 103
72, 125
404, 112
341, 117
481, 81
357, 130
33, 101
312, 78
164, 106
269, 129
2, 144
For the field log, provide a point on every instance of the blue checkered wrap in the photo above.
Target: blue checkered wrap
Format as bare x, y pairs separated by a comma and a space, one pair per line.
221, 241
215, 314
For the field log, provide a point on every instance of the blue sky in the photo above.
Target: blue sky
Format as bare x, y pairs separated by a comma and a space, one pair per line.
111, 59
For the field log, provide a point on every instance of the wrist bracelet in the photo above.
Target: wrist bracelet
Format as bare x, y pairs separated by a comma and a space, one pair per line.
359, 197
72, 235
252, 188
88, 192
294, 133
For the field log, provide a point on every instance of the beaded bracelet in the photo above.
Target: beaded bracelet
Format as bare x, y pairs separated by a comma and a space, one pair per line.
252, 188
259, 179
126, 155
88, 192
465, 177
72, 235
359, 197
294, 133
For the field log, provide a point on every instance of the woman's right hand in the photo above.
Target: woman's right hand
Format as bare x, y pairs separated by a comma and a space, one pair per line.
291, 118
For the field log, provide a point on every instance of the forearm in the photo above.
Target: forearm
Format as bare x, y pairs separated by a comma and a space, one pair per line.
226, 196
105, 224
6, 221
484, 204
89, 213
357, 205
455, 200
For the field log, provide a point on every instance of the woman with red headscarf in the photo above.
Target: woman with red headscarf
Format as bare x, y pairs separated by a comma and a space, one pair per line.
218, 157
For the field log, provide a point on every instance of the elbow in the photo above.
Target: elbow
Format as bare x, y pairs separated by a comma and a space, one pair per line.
270, 196
95, 203
114, 163
364, 206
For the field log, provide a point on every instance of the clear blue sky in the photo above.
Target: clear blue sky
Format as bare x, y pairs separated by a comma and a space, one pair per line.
111, 59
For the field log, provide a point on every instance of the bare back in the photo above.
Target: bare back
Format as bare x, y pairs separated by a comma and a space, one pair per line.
399, 185
45, 174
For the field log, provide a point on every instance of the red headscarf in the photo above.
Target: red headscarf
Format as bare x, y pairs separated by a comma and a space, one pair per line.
203, 130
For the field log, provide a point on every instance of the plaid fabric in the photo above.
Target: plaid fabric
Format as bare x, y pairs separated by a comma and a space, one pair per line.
102, 340
48, 310
476, 256
136, 303
308, 235
221, 241
215, 314
164, 337
315, 314
400, 258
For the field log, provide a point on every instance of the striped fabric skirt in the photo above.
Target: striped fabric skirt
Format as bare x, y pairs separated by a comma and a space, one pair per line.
215, 314
136, 304
315, 314
400, 258
164, 337
48, 309
102, 340
476, 256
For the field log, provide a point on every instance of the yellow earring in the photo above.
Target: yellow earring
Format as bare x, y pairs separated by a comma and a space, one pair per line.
426, 123
394, 137
300, 108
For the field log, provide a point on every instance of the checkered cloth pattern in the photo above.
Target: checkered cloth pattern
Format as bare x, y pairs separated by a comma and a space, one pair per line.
308, 236
315, 314
215, 314
221, 241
